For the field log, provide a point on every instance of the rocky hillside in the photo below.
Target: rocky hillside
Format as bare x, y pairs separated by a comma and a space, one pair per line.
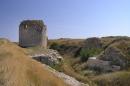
34, 66
97, 58
80, 62
56, 63
17, 69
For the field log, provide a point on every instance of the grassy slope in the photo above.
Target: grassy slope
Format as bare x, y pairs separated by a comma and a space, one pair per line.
69, 70
117, 78
16, 69
70, 42
69, 60
113, 79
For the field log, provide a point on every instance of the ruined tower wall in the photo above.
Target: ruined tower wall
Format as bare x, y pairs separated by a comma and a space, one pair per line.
31, 33
44, 37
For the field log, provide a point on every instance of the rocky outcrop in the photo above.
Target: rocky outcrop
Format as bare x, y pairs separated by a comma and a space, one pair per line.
51, 58
110, 60
93, 43
113, 58
101, 66
114, 55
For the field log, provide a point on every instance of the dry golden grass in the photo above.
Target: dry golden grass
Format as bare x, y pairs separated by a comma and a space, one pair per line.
69, 70
70, 42
16, 69
113, 79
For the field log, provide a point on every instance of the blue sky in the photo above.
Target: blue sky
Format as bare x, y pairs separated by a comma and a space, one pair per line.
67, 18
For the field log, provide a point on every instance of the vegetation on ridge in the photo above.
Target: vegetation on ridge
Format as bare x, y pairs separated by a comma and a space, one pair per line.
78, 69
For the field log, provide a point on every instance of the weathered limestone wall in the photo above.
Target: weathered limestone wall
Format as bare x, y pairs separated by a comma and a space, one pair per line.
32, 33
44, 37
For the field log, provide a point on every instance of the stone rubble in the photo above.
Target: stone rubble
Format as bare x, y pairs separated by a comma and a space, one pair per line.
51, 58
102, 66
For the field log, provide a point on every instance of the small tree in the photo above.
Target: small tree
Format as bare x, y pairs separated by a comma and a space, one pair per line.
54, 46
84, 55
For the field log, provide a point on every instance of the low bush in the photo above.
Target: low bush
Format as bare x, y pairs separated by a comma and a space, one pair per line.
55, 46
85, 53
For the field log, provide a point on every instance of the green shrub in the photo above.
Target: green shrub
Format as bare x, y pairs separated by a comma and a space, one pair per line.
55, 46
85, 53
58, 67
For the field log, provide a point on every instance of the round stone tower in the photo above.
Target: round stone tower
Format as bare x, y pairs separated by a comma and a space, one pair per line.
32, 33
